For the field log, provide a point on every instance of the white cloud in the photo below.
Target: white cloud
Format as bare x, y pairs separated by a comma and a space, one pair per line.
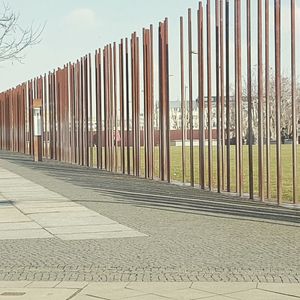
81, 18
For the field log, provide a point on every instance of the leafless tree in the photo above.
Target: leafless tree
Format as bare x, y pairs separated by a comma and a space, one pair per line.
14, 38
286, 104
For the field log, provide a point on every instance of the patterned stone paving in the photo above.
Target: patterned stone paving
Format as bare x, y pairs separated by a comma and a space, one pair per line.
188, 235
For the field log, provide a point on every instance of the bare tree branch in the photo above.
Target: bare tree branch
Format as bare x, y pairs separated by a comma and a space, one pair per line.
14, 39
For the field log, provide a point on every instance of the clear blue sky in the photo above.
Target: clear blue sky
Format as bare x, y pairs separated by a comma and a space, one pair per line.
76, 27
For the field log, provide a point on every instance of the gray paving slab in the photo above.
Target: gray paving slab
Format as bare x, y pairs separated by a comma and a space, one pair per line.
12, 215
39, 207
111, 294
284, 288
36, 199
24, 234
68, 219
19, 226
259, 295
87, 229
37, 294
101, 235
185, 294
37, 210
224, 287
14, 284
72, 285
5, 204
43, 284
52, 204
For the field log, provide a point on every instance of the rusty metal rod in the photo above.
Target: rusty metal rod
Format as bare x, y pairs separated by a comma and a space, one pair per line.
183, 100
201, 98
260, 106
209, 96
228, 156
222, 93
191, 106
249, 95
217, 100
294, 100
267, 96
277, 18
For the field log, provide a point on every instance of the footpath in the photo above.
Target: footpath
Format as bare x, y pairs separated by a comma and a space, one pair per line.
69, 232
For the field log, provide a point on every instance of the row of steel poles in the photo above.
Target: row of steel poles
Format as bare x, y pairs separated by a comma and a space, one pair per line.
92, 109
223, 101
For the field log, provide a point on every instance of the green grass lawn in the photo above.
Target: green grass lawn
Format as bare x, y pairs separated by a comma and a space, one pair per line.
176, 168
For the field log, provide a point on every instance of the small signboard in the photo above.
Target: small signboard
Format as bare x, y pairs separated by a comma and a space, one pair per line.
37, 117
37, 103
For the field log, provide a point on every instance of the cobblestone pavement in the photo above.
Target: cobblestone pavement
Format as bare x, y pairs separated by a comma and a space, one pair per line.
191, 235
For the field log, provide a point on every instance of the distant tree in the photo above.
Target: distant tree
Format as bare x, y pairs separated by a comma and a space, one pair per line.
286, 104
14, 38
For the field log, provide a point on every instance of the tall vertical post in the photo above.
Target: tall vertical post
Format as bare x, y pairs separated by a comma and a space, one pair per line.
164, 102
294, 100
260, 106
201, 98
249, 92
128, 140
239, 141
228, 137
115, 111
267, 96
209, 97
183, 100
191, 122
222, 95
277, 19
217, 100
121, 93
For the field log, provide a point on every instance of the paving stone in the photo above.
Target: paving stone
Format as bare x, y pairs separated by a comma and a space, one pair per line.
100, 235
19, 226
224, 287
150, 287
36, 294
38, 210
25, 234
61, 219
47, 214
111, 294
184, 294
14, 284
12, 215
84, 297
88, 229
217, 298
104, 286
43, 284
259, 295
284, 288
72, 285
148, 297
35, 204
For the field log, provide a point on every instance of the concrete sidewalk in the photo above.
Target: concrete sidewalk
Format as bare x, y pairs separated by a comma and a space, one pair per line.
52, 290
30, 211
63, 227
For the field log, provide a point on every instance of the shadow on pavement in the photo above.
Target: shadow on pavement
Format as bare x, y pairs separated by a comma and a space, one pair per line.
128, 190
